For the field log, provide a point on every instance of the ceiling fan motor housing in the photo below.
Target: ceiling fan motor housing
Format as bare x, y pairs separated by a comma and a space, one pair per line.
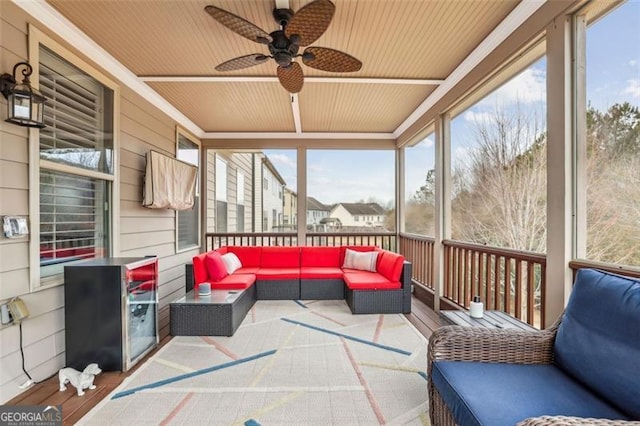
282, 48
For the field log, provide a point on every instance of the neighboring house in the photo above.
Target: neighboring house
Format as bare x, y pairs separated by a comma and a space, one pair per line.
290, 209
268, 202
316, 211
229, 184
367, 215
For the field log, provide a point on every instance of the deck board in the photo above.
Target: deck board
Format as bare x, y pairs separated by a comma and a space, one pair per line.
74, 408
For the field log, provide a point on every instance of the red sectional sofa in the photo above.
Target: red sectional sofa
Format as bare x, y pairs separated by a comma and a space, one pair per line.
311, 273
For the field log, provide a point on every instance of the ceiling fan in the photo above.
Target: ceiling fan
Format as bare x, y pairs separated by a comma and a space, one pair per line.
296, 29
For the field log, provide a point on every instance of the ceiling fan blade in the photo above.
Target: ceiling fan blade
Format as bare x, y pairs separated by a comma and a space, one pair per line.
242, 62
291, 77
331, 60
310, 22
239, 25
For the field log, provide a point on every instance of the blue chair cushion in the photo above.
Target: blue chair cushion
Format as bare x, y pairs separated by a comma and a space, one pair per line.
497, 394
598, 340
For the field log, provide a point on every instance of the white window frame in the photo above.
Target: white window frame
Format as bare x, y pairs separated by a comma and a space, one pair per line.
185, 134
37, 38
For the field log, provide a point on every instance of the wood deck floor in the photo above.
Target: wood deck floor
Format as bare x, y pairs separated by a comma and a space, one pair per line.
74, 408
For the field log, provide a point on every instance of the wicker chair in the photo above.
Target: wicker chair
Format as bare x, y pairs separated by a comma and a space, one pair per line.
456, 343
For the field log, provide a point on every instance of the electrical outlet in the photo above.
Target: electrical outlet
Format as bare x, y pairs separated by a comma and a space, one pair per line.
5, 316
18, 309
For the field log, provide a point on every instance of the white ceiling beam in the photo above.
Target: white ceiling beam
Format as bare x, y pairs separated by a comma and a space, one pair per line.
295, 110
517, 17
58, 24
309, 79
291, 135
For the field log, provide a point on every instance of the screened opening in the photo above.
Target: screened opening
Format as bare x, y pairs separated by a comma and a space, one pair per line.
188, 220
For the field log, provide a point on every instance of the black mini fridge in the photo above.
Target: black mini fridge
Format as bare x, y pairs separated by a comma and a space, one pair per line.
111, 312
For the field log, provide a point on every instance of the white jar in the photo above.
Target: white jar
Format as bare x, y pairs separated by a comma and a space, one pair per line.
476, 310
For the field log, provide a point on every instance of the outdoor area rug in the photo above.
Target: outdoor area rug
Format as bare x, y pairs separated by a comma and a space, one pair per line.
290, 362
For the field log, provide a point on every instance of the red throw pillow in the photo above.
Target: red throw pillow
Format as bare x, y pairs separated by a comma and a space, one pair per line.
215, 266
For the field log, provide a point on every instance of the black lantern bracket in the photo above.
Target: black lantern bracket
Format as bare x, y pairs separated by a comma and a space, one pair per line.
25, 105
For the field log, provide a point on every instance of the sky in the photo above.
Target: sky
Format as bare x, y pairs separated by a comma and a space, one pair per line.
613, 75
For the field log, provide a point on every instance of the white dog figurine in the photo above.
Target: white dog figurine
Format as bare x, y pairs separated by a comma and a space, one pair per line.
80, 381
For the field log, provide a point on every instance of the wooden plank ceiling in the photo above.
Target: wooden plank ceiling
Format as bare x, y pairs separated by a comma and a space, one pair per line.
394, 39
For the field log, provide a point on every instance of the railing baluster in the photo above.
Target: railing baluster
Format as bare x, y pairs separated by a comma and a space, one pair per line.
518, 289
496, 282
507, 285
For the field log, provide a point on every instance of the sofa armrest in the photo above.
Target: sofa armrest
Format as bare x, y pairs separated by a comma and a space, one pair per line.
567, 421
457, 343
189, 279
406, 283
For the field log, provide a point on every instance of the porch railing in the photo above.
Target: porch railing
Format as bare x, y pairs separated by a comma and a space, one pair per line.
216, 240
508, 280
385, 240
418, 250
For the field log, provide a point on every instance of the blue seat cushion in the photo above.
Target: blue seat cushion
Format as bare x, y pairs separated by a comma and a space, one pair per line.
480, 393
598, 341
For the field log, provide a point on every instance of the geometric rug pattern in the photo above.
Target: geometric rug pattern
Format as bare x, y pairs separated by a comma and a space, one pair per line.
290, 362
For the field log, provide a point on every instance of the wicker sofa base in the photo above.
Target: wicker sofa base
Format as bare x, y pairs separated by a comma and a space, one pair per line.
223, 319
210, 319
322, 289
278, 289
375, 301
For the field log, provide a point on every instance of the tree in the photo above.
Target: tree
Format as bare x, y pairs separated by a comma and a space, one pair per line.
613, 184
419, 209
500, 194
615, 132
427, 192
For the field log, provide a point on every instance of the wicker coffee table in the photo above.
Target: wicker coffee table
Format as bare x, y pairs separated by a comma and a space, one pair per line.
491, 319
218, 314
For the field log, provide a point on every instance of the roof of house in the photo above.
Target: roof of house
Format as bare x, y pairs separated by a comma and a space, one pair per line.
272, 168
363, 208
313, 204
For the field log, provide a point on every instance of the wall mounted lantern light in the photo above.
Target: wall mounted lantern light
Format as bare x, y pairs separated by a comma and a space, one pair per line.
25, 105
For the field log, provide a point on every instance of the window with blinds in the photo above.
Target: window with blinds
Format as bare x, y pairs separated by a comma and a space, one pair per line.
77, 142
188, 220
72, 226
77, 131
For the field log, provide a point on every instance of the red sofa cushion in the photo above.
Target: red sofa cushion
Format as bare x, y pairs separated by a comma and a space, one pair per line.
249, 256
320, 256
390, 265
280, 257
249, 270
215, 266
277, 273
200, 274
320, 272
343, 250
234, 281
363, 280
